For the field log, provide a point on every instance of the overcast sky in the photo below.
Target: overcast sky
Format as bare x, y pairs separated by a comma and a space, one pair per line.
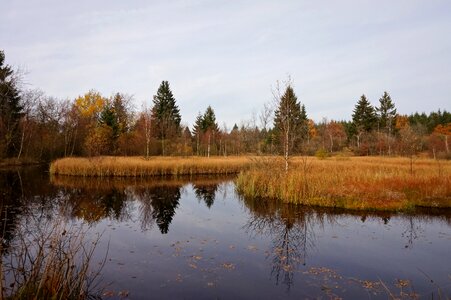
228, 54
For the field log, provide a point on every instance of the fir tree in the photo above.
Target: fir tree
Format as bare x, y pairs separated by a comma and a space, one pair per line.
10, 110
363, 119
165, 114
289, 120
364, 116
386, 112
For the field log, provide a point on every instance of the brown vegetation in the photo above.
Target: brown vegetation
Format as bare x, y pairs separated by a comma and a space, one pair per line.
353, 183
138, 166
50, 259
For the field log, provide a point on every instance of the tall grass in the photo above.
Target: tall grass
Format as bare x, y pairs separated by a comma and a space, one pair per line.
354, 183
50, 259
140, 167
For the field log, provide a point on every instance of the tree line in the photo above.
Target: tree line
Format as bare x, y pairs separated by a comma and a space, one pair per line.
40, 127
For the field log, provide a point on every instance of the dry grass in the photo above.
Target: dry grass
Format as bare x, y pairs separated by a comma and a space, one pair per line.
50, 259
352, 183
139, 167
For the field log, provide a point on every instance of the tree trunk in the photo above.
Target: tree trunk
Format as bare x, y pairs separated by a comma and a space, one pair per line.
286, 148
208, 149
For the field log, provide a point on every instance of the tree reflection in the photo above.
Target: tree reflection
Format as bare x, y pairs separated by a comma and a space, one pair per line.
291, 231
158, 204
206, 192
93, 205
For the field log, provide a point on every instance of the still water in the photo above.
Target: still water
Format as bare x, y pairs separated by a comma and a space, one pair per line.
197, 238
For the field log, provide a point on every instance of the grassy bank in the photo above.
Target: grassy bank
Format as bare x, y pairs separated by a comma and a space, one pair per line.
155, 166
352, 183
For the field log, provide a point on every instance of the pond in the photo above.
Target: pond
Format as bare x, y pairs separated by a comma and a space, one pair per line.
197, 238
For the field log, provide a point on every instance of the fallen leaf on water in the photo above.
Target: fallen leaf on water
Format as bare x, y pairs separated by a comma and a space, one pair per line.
108, 294
402, 283
228, 266
193, 266
252, 248
123, 293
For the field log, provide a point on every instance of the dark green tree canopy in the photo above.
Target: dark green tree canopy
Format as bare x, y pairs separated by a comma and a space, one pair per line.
206, 122
108, 117
10, 110
386, 112
364, 115
290, 115
165, 112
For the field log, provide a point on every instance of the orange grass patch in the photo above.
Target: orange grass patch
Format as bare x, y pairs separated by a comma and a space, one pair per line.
105, 166
356, 183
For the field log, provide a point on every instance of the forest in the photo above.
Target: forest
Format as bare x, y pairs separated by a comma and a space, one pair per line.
35, 127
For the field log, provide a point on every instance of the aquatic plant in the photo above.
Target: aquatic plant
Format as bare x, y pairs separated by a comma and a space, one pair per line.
50, 259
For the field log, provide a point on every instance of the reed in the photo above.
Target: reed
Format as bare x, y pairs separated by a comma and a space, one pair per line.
106, 166
50, 259
362, 183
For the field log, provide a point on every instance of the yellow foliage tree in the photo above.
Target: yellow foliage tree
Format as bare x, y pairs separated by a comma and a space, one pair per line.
90, 104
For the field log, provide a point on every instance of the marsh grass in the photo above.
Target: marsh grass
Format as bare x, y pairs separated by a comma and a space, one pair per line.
140, 167
50, 259
356, 183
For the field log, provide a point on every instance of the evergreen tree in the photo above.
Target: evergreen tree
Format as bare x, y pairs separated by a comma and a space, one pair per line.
209, 121
10, 110
364, 116
386, 113
165, 114
289, 120
206, 127
197, 131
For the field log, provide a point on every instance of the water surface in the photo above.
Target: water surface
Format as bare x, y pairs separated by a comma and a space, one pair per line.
197, 238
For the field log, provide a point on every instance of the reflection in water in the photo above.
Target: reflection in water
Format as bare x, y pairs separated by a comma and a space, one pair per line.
158, 204
290, 233
290, 229
206, 192
93, 199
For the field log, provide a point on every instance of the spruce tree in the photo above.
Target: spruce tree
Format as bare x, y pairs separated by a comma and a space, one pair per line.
197, 131
10, 110
386, 112
165, 115
288, 121
364, 116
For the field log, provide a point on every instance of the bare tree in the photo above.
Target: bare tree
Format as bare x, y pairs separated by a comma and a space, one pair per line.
147, 117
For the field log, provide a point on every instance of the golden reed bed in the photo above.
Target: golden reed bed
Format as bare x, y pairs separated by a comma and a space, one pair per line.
106, 166
353, 183
345, 182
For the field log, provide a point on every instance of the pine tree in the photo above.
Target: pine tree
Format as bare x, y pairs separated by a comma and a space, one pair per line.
165, 114
386, 112
364, 118
10, 110
210, 127
289, 120
197, 131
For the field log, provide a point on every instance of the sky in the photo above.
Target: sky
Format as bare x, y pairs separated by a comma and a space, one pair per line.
230, 54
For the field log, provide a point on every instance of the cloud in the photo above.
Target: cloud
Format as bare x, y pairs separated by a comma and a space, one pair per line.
228, 54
